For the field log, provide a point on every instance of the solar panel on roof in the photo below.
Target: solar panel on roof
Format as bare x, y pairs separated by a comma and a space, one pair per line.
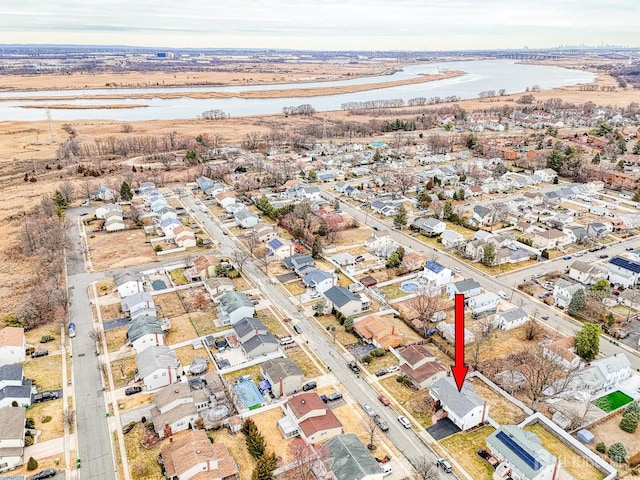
518, 451
434, 266
626, 264
275, 243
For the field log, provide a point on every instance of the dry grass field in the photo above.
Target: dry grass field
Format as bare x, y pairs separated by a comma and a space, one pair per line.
142, 461
502, 410
309, 369
46, 372
236, 444
34, 336
116, 337
119, 249
53, 428
181, 329
463, 447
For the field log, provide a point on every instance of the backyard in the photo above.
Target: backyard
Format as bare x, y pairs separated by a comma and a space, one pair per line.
181, 329
463, 447
502, 410
236, 444
305, 363
609, 432
612, 401
142, 461
48, 419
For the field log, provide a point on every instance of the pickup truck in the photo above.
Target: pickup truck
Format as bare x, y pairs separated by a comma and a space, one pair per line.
353, 367
382, 424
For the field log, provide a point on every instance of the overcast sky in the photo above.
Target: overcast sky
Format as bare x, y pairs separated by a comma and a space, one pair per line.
323, 24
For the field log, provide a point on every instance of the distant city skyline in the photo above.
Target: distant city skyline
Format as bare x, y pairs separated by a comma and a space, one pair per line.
323, 24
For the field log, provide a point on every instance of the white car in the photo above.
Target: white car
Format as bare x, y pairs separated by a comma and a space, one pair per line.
456, 269
504, 295
392, 368
404, 421
367, 408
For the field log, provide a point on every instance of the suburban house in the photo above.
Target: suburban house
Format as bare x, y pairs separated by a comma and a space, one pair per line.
564, 291
602, 374
281, 248
265, 231
521, 455
435, 276
631, 298
113, 222
216, 286
105, 194
144, 332
284, 376
451, 238
158, 367
378, 239
234, 306
597, 230
546, 174
483, 303
430, 227
447, 331
14, 387
12, 420
623, 271
482, 215
102, 210
245, 219
12, 345
177, 406
184, 237
347, 302
512, 318
255, 339
467, 287
298, 260
420, 365
137, 302
127, 283
204, 183
349, 459
562, 351
318, 281
549, 239
309, 417
225, 199
203, 267
582, 272
412, 262
192, 454
464, 408
378, 331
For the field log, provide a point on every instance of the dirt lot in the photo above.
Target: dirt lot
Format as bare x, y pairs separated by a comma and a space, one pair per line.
44, 463
119, 249
254, 371
463, 447
110, 312
46, 372
502, 411
571, 461
53, 428
609, 432
204, 322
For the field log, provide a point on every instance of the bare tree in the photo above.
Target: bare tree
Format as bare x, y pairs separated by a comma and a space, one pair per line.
87, 188
303, 457
103, 367
425, 306
426, 469
263, 257
240, 257
372, 428
121, 364
67, 191
69, 417
480, 340
96, 335
253, 242
404, 181
251, 141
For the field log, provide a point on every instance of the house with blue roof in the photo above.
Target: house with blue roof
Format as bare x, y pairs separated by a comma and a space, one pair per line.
317, 281
297, 261
347, 302
204, 183
623, 271
169, 225
521, 455
435, 276
280, 247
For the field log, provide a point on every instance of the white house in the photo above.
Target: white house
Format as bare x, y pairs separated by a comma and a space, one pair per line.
158, 367
106, 194
435, 276
420, 365
281, 248
451, 238
216, 286
177, 406
467, 287
521, 455
225, 199
255, 339
448, 332
245, 219
12, 345
138, 301
283, 374
464, 408
430, 226
317, 281
546, 175
512, 318
623, 271
378, 239
184, 237
102, 210
564, 291
347, 302
562, 352
581, 272
14, 387
12, 420
127, 283
615, 368
234, 306
484, 302
145, 332
315, 421
549, 239
113, 221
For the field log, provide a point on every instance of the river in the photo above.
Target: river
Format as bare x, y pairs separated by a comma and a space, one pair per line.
480, 76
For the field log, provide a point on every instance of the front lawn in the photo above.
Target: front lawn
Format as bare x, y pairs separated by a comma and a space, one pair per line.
463, 447
46, 372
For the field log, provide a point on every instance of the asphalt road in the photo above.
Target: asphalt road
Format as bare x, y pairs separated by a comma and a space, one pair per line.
406, 440
93, 436
557, 318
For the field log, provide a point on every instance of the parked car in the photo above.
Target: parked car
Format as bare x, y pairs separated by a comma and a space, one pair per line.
286, 340
545, 318
297, 328
309, 386
324, 398
456, 269
40, 353
444, 465
353, 367
404, 421
384, 400
628, 249
503, 294
367, 408
567, 257
380, 373
616, 292
392, 368
359, 258
335, 396
44, 396
48, 473
132, 390
604, 255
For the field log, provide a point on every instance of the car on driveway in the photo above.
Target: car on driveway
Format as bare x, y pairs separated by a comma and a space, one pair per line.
604, 255
132, 390
545, 318
44, 396
456, 269
48, 473
367, 408
380, 373
40, 353
404, 421
392, 368
309, 386
384, 400
335, 396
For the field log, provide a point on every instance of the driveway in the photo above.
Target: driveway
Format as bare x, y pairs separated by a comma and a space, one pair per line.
442, 429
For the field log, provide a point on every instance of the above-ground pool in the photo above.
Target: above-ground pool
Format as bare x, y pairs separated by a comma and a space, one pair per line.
249, 394
409, 287
612, 401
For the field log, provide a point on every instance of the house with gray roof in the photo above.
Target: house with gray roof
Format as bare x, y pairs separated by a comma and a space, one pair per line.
14, 387
347, 302
429, 226
283, 374
563, 292
245, 219
464, 408
349, 459
127, 283
581, 271
317, 281
255, 339
233, 307
137, 301
177, 406
451, 238
145, 331
467, 287
297, 261
12, 420
158, 367
521, 455
512, 318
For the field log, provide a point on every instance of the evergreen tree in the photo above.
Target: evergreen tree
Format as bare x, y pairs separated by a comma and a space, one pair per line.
348, 324
588, 340
267, 463
59, 199
312, 176
316, 248
32, 464
578, 301
596, 159
629, 422
617, 452
636, 148
636, 196
393, 261
447, 210
376, 156
400, 218
125, 192
489, 254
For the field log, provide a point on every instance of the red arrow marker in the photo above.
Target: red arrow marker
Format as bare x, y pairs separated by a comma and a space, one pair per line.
459, 369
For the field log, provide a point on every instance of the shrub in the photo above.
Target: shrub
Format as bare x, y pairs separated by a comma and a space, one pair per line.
14, 404
46, 419
128, 427
378, 352
629, 422
28, 440
46, 339
367, 359
633, 407
601, 447
32, 464
617, 452
29, 423
157, 248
